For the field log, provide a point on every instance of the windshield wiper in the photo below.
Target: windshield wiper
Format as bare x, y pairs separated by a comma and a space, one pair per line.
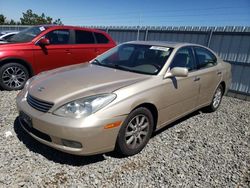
115, 66
97, 62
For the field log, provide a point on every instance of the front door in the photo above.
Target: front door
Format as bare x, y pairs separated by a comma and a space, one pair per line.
180, 94
56, 54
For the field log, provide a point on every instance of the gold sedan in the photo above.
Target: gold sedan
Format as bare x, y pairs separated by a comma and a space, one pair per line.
121, 97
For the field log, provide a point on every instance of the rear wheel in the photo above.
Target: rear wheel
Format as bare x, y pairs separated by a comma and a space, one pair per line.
135, 132
216, 99
13, 76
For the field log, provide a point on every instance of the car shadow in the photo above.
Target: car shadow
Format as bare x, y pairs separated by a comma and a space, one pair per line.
74, 160
117, 155
177, 122
50, 153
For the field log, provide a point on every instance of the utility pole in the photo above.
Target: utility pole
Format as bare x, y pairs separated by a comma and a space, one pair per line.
139, 27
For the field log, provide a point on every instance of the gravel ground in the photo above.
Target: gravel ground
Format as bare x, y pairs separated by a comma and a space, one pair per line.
201, 150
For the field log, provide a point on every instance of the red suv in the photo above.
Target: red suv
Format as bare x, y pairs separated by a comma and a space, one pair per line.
42, 48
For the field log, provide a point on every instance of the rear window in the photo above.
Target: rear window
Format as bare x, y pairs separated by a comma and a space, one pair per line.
101, 39
84, 37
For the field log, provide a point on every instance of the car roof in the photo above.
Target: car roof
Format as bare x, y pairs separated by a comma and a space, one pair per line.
163, 43
70, 27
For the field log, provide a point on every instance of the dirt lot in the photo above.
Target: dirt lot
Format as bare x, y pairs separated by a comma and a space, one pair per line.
200, 150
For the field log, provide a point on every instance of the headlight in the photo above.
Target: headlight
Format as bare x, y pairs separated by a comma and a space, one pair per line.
85, 106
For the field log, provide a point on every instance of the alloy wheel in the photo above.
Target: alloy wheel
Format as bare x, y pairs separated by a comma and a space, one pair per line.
217, 97
14, 77
137, 131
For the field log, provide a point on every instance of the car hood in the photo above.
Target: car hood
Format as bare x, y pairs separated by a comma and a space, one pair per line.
4, 45
69, 83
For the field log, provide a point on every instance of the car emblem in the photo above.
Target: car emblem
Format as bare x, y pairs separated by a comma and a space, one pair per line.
40, 89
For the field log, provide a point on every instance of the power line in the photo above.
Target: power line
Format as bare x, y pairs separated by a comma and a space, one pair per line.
136, 13
160, 18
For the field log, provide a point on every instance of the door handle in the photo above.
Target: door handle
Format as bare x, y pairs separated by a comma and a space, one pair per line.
97, 50
67, 51
197, 79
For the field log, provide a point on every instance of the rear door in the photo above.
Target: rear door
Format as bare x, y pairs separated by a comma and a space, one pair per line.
209, 74
84, 47
56, 54
103, 43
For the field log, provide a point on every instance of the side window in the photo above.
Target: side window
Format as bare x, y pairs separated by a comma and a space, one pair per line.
184, 58
84, 37
204, 57
101, 39
58, 36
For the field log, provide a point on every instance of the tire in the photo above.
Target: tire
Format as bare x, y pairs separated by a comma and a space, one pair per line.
135, 132
13, 76
218, 94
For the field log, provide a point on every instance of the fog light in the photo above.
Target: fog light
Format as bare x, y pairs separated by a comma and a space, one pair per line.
72, 144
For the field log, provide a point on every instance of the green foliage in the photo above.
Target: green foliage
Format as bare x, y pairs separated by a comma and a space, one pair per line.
30, 18
58, 22
2, 19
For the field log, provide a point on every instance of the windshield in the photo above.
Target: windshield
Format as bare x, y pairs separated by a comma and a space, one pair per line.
27, 35
144, 59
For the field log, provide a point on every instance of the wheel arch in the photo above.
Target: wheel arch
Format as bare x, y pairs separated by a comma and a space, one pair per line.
152, 108
18, 60
223, 84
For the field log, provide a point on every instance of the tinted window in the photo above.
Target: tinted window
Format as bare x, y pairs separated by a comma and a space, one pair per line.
58, 36
204, 57
8, 36
101, 38
84, 37
125, 53
184, 58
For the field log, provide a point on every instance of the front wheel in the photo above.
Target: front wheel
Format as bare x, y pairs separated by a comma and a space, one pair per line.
135, 132
13, 76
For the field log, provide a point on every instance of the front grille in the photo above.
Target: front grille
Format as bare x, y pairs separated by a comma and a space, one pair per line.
35, 132
38, 104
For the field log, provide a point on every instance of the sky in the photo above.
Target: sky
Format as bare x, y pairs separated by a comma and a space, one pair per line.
135, 12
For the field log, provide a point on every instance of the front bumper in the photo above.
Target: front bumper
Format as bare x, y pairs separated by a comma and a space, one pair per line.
53, 130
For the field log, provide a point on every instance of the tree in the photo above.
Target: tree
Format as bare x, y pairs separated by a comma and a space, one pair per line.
30, 18
11, 22
58, 22
2, 19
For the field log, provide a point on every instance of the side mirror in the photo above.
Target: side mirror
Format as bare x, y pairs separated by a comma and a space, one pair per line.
43, 42
178, 72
